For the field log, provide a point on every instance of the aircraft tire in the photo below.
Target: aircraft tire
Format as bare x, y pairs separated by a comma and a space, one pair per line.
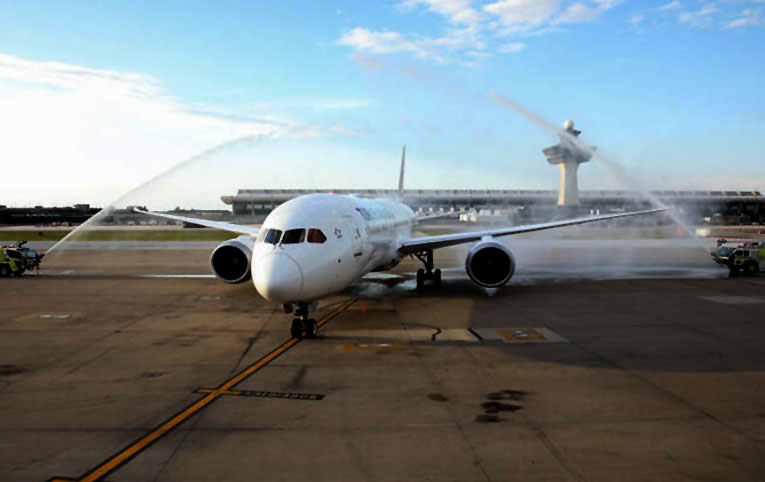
420, 278
297, 328
311, 329
437, 278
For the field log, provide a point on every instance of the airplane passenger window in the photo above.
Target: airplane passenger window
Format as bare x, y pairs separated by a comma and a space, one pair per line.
316, 236
293, 236
273, 236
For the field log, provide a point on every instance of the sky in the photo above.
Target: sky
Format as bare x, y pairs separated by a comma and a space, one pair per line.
96, 98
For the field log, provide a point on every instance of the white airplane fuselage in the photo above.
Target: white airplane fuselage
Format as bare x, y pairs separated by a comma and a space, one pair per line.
362, 235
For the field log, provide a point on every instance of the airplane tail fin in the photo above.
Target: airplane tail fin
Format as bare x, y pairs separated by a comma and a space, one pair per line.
401, 176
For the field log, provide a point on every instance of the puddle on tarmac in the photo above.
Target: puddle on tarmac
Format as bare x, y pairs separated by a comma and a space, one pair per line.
8, 370
516, 395
487, 418
496, 407
437, 397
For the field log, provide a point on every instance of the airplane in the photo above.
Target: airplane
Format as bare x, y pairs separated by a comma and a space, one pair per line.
319, 244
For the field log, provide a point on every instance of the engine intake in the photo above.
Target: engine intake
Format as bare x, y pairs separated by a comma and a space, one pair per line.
490, 264
230, 261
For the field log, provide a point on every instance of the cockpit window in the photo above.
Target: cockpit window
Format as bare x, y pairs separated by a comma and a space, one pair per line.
273, 236
294, 236
316, 236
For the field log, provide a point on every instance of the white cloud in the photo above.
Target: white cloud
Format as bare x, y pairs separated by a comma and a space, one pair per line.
450, 48
457, 11
475, 29
577, 12
89, 135
749, 18
523, 12
700, 17
378, 42
511, 47
673, 5
580, 12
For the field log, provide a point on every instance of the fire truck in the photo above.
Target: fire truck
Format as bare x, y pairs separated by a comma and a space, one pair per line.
746, 258
16, 259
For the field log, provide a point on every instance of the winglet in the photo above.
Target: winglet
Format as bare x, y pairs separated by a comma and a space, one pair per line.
401, 176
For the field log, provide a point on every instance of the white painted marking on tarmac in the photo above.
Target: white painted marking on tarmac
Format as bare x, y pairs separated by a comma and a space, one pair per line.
54, 316
199, 276
474, 335
537, 334
374, 345
735, 300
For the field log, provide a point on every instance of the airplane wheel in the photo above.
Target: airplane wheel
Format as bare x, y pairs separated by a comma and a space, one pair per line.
297, 328
311, 329
437, 278
420, 278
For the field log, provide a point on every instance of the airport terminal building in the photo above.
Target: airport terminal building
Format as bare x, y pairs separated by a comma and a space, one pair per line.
716, 207
518, 206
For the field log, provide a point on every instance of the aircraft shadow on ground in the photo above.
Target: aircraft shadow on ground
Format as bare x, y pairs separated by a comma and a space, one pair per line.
639, 323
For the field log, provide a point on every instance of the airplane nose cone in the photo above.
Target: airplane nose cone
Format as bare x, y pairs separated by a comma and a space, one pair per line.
278, 278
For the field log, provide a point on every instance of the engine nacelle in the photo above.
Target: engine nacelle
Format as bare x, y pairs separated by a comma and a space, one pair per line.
490, 264
230, 261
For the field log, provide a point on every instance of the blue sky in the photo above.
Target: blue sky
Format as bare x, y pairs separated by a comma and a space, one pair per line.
673, 90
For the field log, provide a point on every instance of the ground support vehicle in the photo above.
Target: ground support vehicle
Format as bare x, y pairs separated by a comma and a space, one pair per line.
16, 259
747, 258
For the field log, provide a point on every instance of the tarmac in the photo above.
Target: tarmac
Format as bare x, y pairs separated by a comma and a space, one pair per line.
601, 361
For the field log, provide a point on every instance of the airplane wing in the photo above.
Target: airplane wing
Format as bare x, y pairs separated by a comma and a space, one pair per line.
414, 245
233, 228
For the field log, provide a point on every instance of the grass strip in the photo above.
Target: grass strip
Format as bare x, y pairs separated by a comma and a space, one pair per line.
186, 235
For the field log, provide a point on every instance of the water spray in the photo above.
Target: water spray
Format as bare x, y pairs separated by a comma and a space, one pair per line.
227, 146
617, 171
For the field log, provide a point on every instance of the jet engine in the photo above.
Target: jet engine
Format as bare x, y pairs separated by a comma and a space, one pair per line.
230, 261
490, 264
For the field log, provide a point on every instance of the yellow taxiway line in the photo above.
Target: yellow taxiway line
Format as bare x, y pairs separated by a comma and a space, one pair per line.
127, 453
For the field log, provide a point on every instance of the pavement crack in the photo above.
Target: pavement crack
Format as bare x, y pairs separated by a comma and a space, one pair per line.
297, 380
669, 393
477, 462
250, 342
555, 452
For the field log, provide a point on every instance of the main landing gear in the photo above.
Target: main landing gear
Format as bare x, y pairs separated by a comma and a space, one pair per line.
302, 326
427, 275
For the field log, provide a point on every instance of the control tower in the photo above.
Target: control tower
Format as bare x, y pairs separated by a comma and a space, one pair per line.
568, 157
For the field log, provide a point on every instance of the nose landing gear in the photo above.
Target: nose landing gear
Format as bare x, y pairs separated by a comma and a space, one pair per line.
302, 326
427, 275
